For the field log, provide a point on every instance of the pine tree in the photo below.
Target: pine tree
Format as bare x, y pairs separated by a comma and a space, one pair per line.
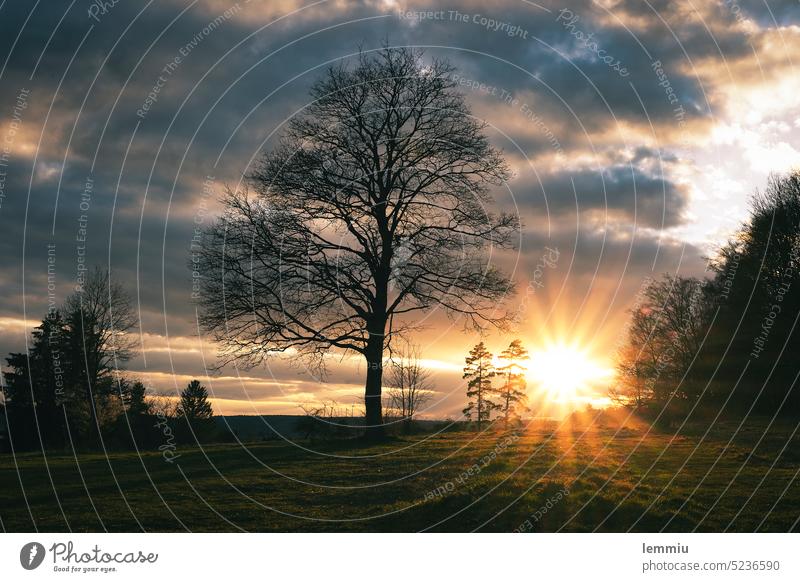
513, 391
480, 371
134, 397
194, 405
38, 386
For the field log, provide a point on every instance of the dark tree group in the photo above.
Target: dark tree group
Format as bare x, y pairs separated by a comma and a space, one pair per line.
727, 344
67, 386
67, 391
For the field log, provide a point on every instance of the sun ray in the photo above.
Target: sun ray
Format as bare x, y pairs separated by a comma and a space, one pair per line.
565, 372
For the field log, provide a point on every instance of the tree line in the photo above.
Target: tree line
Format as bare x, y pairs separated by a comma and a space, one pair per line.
726, 344
67, 390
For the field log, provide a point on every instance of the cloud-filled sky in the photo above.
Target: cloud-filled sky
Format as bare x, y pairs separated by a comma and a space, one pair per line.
636, 130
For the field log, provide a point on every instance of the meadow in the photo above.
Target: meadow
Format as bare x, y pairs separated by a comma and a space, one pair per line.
545, 478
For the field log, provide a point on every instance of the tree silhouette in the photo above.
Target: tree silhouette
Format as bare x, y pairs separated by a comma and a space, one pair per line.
754, 341
372, 209
409, 385
512, 392
634, 383
479, 371
729, 342
39, 388
100, 317
134, 397
194, 405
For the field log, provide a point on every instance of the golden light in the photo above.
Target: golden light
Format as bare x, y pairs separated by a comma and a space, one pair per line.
565, 371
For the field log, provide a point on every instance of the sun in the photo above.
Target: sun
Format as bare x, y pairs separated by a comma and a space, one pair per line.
564, 371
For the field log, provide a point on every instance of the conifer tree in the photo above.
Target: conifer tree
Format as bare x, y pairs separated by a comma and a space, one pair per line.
194, 413
134, 397
512, 394
38, 386
194, 405
479, 371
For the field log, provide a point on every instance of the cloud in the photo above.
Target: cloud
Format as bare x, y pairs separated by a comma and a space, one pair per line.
621, 193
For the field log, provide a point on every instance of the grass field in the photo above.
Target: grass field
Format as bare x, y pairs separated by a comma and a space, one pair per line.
573, 479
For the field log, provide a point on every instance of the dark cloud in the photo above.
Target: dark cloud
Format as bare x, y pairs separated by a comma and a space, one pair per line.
767, 13
621, 193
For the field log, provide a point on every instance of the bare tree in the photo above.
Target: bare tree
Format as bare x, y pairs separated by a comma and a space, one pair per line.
409, 385
665, 335
163, 406
100, 317
634, 382
373, 208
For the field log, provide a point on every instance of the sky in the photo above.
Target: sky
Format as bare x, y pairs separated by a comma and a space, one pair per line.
636, 130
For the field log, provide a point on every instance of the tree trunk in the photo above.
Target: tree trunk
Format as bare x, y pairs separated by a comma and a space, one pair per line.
480, 403
372, 390
508, 400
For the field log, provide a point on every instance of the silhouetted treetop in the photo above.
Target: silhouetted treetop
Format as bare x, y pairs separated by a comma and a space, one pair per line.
374, 207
